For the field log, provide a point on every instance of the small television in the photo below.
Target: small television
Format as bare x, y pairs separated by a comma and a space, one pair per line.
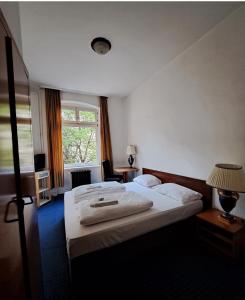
39, 162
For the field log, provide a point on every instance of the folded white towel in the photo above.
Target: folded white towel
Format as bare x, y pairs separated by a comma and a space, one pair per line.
93, 187
128, 203
96, 190
97, 185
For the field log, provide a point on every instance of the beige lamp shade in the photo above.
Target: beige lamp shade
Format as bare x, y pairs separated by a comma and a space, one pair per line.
131, 150
227, 177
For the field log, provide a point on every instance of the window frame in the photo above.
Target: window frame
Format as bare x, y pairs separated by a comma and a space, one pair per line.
78, 123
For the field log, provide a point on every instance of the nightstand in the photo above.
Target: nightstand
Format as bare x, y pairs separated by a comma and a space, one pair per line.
225, 238
125, 171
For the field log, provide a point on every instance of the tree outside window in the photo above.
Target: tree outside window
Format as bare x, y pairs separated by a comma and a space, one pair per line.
79, 135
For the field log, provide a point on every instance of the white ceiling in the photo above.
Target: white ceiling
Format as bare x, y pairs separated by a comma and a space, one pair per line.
145, 36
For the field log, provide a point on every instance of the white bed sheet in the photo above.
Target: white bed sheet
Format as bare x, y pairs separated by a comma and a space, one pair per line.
84, 239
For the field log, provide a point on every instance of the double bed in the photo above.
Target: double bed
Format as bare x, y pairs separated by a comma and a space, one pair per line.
83, 240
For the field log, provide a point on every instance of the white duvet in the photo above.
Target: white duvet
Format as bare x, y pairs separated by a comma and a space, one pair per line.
129, 203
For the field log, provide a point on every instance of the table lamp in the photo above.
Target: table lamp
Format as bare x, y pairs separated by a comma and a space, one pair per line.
131, 151
229, 180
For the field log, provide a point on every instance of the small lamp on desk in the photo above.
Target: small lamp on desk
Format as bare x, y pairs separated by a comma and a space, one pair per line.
131, 150
229, 180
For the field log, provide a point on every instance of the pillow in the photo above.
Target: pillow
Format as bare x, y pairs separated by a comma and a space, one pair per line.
147, 180
178, 192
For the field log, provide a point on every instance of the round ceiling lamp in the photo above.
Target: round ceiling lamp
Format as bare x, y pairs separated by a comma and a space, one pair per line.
101, 45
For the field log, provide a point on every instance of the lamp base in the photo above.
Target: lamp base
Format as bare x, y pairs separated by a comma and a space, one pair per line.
228, 201
227, 218
131, 160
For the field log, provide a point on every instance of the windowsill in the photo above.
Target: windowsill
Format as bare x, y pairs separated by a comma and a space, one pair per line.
70, 167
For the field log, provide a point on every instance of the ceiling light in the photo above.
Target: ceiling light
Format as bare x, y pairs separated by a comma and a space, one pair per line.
101, 45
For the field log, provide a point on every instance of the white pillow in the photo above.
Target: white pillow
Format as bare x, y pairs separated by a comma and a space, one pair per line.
178, 192
147, 180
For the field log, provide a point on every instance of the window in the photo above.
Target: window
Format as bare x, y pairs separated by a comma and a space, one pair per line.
79, 132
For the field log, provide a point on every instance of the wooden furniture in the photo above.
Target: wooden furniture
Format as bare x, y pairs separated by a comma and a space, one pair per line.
108, 172
125, 171
42, 179
226, 238
191, 183
20, 266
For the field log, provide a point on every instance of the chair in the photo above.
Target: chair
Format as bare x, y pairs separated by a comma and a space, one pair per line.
108, 174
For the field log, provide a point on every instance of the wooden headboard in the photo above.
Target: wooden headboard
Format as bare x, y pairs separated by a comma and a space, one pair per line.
192, 183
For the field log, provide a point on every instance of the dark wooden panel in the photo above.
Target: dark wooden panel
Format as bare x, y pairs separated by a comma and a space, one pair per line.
191, 183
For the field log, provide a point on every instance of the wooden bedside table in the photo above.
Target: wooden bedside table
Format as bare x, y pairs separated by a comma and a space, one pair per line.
228, 239
125, 171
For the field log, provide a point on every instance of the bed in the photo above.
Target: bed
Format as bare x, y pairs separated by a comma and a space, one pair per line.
82, 240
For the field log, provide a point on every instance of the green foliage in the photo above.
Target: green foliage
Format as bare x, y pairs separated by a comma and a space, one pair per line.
79, 140
87, 116
68, 114
75, 114
79, 144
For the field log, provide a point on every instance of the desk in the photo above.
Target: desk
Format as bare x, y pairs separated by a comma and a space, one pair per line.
125, 171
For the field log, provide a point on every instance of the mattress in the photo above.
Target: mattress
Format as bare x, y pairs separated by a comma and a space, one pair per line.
82, 239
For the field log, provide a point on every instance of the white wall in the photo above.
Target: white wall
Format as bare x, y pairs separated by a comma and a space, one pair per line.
191, 114
115, 108
80, 98
11, 13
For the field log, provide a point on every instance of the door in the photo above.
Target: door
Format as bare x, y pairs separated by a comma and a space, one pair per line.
20, 271
11, 267
27, 174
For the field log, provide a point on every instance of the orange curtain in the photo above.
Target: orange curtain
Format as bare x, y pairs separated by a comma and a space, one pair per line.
54, 132
105, 137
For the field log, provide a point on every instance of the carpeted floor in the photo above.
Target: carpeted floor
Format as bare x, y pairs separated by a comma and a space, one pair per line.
53, 250
169, 274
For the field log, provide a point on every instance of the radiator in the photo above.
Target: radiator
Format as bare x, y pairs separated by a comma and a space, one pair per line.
80, 177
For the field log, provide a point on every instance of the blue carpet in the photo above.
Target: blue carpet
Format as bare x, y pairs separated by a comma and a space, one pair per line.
170, 274
53, 250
